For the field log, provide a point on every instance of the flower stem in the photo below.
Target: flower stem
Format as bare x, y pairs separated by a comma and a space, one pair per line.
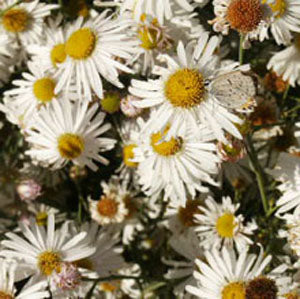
258, 173
284, 96
241, 49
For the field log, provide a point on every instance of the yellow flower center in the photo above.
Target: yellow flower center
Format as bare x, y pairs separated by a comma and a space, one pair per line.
128, 154
43, 89
111, 102
58, 54
244, 15
107, 207
186, 214
4, 295
15, 20
234, 290
70, 146
185, 88
291, 296
41, 218
148, 38
225, 225
278, 7
49, 261
81, 44
108, 287
85, 264
297, 41
165, 148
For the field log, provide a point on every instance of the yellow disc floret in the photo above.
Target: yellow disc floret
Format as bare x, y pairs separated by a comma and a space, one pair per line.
225, 225
108, 287
278, 8
234, 290
165, 148
128, 154
4, 295
148, 38
107, 207
81, 44
111, 102
41, 218
185, 88
43, 89
58, 54
48, 262
15, 20
70, 146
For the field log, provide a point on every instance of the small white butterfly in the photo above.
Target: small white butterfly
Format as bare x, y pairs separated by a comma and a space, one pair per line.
235, 90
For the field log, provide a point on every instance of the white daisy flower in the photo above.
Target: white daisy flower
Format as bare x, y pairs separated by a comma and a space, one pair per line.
129, 132
33, 91
107, 259
66, 131
225, 274
155, 38
43, 250
284, 19
182, 95
286, 63
218, 225
118, 288
110, 208
249, 17
178, 166
187, 245
287, 171
254, 18
51, 53
9, 271
41, 212
119, 206
161, 9
25, 20
92, 47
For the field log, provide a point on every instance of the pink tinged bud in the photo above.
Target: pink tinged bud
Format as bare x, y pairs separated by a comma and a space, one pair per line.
68, 278
28, 190
233, 151
128, 108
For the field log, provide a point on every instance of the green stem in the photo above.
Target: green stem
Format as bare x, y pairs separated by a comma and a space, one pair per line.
79, 215
258, 173
286, 92
241, 49
2, 12
284, 96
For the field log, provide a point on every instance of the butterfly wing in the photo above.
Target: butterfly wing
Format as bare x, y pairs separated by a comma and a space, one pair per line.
234, 90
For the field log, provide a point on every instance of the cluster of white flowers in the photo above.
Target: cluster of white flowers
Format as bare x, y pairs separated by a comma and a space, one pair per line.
151, 161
